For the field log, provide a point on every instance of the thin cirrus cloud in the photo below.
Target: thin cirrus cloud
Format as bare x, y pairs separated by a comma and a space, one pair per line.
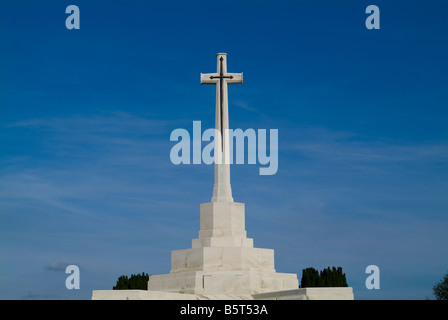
347, 146
244, 105
57, 266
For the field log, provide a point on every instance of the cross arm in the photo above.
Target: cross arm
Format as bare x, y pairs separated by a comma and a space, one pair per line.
231, 78
234, 78
205, 78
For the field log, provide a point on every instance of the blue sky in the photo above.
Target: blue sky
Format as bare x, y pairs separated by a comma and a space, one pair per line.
86, 116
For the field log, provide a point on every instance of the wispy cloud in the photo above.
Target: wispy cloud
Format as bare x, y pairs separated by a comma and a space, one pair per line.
80, 158
113, 139
244, 105
57, 266
323, 143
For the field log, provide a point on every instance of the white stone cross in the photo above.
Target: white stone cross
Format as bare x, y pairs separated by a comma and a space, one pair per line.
222, 190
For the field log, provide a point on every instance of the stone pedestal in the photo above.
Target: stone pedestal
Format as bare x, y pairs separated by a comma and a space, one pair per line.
222, 260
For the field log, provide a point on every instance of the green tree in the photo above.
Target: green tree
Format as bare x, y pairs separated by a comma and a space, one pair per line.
310, 278
322, 281
328, 277
342, 279
440, 289
135, 281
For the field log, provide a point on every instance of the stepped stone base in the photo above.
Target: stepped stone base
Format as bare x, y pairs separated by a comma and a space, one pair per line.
223, 282
222, 260
296, 294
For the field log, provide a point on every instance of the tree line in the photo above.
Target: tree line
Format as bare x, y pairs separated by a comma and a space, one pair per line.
135, 281
329, 277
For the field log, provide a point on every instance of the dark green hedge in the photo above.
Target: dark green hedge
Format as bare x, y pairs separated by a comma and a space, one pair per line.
329, 277
135, 281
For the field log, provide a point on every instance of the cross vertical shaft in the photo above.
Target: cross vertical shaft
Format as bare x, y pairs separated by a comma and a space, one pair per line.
222, 190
